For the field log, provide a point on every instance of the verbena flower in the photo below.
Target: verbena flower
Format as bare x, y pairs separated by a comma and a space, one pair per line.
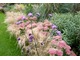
18, 39
50, 15
19, 22
42, 43
30, 37
58, 32
23, 17
30, 14
38, 14
54, 26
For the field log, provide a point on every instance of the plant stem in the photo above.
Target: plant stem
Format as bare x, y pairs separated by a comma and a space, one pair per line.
34, 40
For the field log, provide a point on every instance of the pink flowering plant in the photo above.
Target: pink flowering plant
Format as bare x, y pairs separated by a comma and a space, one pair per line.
37, 38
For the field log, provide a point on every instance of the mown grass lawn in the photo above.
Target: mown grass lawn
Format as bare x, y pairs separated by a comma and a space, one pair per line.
8, 47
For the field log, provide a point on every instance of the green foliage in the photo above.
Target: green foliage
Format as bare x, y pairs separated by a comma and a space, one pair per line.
47, 8
22, 31
28, 8
43, 9
8, 7
64, 8
69, 25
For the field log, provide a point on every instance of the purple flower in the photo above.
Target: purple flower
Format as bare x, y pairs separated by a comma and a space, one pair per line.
50, 15
58, 32
42, 43
31, 38
30, 14
38, 14
54, 26
23, 17
18, 39
19, 22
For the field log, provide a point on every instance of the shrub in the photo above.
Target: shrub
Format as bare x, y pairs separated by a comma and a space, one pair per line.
69, 25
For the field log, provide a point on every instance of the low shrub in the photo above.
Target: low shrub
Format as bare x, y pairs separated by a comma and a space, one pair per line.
69, 25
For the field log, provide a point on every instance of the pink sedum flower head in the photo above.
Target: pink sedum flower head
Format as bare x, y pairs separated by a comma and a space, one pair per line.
72, 54
34, 24
46, 28
57, 37
40, 26
29, 26
26, 18
54, 42
27, 23
19, 18
45, 33
34, 18
67, 47
61, 44
22, 26
59, 53
52, 51
68, 51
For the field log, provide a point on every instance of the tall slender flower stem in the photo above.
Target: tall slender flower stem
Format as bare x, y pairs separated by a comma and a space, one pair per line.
34, 39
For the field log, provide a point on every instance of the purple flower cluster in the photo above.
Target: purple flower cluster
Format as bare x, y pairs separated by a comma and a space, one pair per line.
19, 22
30, 14
23, 17
58, 33
42, 43
18, 39
31, 37
54, 27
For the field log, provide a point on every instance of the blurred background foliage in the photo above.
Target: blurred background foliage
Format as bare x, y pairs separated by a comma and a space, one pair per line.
45, 8
65, 15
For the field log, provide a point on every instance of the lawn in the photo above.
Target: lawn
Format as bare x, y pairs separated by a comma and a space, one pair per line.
8, 46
